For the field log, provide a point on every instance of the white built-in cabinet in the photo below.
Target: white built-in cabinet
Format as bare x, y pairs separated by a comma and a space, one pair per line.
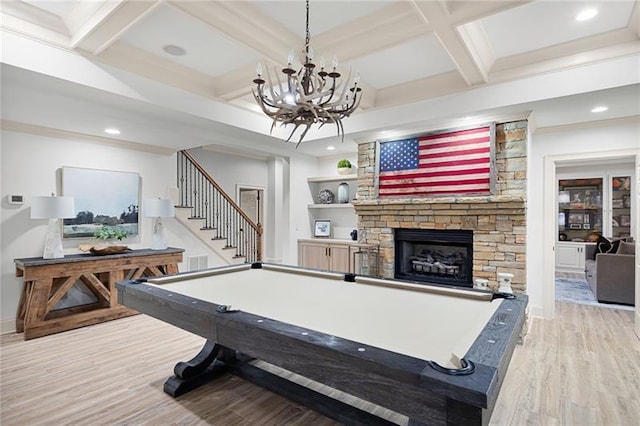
570, 256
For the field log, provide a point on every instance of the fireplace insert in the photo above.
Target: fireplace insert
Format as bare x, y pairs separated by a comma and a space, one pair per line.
434, 256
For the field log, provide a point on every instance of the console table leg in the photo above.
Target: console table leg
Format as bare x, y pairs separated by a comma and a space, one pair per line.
38, 300
25, 296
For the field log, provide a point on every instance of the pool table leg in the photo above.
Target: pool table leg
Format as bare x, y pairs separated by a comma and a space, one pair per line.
207, 365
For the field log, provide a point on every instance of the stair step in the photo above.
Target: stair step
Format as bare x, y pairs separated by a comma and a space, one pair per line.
229, 248
183, 207
195, 217
208, 228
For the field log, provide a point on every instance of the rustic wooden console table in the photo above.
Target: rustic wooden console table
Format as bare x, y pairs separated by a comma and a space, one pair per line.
46, 281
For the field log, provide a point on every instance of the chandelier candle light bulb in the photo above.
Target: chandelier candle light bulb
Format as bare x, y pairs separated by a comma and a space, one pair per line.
307, 96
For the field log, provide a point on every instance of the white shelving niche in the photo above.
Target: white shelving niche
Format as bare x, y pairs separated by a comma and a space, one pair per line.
342, 215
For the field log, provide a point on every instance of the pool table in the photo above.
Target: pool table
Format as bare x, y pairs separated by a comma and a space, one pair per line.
436, 354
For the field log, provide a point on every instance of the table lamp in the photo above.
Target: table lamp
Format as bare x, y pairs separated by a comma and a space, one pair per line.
158, 208
52, 208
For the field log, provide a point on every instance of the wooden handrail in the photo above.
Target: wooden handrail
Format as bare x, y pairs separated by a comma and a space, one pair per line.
235, 206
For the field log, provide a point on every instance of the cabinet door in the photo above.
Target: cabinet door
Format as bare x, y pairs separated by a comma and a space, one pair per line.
339, 258
570, 256
312, 255
620, 206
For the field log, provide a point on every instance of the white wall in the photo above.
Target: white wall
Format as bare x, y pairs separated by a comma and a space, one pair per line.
30, 166
602, 140
327, 166
231, 170
300, 196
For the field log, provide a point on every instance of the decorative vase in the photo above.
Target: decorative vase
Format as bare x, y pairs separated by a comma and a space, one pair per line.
344, 170
326, 196
343, 193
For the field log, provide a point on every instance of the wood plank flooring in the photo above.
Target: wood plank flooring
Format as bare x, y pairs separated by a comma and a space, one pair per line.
582, 368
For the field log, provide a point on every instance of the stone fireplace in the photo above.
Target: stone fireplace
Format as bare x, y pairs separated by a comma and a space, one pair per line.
496, 223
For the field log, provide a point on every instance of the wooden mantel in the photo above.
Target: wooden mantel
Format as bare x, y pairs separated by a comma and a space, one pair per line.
46, 281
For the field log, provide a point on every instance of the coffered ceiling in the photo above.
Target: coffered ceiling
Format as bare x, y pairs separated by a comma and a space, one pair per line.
423, 63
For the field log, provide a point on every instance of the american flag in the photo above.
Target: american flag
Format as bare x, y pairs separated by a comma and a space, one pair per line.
448, 163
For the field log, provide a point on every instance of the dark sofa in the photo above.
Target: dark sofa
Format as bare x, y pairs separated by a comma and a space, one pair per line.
611, 276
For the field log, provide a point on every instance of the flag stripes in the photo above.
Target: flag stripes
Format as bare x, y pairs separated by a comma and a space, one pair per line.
449, 163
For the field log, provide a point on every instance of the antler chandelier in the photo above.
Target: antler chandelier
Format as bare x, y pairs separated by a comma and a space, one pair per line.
307, 96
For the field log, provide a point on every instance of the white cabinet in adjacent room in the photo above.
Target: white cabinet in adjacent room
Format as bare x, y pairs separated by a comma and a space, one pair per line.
570, 256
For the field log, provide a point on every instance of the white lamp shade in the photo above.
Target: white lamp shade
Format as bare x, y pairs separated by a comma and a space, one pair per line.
52, 208
157, 207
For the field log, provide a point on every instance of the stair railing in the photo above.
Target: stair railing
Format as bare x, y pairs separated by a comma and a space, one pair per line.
209, 202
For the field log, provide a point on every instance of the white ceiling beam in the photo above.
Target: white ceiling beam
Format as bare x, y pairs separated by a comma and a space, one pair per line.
462, 12
479, 47
453, 44
610, 45
506, 70
417, 90
109, 22
24, 28
81, 12
129, 58
393, 25
33, 16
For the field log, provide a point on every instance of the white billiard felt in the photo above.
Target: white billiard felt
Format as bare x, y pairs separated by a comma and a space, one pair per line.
430, 326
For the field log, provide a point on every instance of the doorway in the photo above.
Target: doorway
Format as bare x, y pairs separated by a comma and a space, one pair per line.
251, 202
553, 166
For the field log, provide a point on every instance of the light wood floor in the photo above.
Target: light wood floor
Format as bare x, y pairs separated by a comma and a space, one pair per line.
582, 368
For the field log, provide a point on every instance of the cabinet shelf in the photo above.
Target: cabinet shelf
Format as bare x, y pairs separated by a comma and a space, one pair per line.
342, 215
330, 206
338, 178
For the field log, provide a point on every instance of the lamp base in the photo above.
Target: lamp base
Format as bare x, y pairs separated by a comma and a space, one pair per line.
158, 241
53, 242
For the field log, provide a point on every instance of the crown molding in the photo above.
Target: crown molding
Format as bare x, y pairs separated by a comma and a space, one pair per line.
634, 119
32, 129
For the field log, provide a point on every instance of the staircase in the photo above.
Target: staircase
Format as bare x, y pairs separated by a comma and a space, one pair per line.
210, 214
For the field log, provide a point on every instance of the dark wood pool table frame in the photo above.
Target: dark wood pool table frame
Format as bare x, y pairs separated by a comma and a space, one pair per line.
407, 385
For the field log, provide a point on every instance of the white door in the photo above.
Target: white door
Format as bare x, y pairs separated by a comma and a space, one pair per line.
251, 202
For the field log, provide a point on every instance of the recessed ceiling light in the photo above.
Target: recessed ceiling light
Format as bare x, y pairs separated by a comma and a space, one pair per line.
331, 148
599, 109
586, 14
112, 131
174, 50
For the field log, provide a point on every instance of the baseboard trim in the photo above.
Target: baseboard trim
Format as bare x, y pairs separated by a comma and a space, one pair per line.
7, 326
536, 311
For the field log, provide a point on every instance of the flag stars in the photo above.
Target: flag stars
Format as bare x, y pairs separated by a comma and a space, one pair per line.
399, 155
